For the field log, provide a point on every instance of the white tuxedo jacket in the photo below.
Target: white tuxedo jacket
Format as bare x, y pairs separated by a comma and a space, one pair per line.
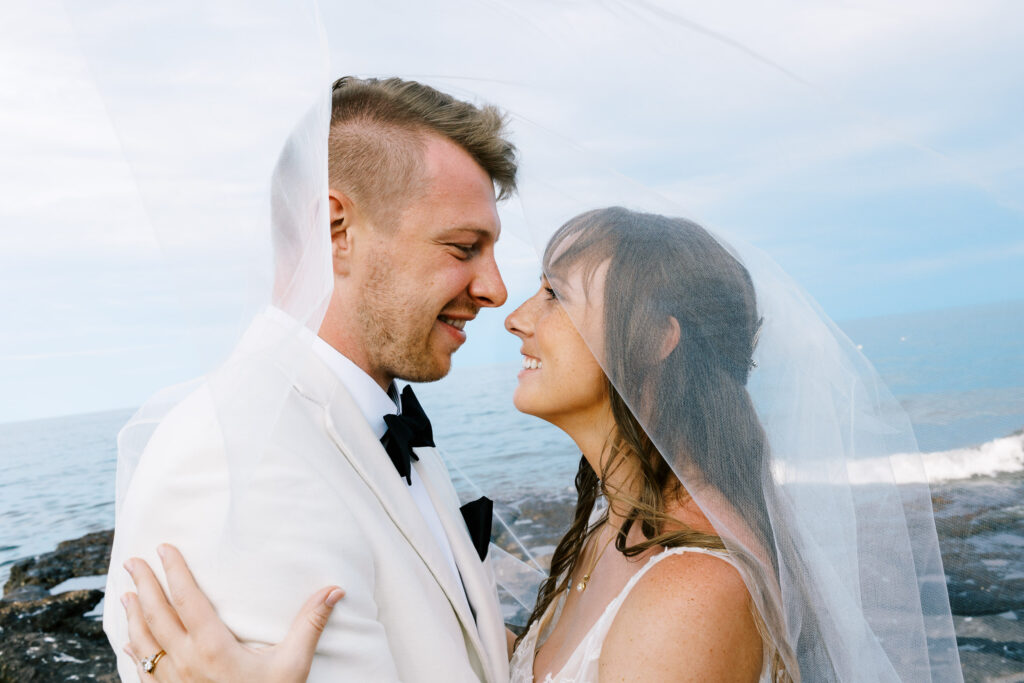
324, 505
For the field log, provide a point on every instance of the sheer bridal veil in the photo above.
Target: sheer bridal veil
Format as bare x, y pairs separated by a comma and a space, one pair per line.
225, 128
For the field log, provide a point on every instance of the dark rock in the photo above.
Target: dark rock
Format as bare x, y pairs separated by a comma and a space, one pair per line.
979, 667
976, 591
52, 613
980, 523
991, 647
1006, 627
46, 657
24, 593
46, 637
84, 556
534, 523
1011, 650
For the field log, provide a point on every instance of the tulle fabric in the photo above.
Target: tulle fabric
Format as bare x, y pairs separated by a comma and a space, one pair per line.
846, 574
225, 128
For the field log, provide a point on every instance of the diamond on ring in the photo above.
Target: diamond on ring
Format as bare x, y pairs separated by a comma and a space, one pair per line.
149, 663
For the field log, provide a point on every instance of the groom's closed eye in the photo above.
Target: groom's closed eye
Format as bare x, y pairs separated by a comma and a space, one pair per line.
467, 250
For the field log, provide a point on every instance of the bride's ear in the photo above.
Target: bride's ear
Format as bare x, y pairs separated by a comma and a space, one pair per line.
342, 218
669, 338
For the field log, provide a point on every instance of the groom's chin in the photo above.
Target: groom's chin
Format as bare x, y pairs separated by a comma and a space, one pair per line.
429, 370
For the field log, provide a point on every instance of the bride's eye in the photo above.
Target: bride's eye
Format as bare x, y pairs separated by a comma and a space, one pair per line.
551, 293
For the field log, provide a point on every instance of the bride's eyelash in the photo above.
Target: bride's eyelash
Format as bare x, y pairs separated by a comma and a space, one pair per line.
551, 293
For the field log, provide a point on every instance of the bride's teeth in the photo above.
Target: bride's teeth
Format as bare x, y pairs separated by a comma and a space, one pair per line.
531, 363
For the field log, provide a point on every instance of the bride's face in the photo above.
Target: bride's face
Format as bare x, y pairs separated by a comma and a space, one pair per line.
561, 380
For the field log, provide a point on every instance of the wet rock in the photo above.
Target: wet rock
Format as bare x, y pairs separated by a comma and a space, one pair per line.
48, 637
979, 667
534, 523
976, 590
46, 657
84, 556
980, 523
52, 613
991, 647
23, 593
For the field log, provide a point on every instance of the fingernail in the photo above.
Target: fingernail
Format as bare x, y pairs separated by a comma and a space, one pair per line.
333, 597
160, 550
124, 599
128, 566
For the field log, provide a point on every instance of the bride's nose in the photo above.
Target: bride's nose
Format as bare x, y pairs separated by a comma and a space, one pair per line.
519, 321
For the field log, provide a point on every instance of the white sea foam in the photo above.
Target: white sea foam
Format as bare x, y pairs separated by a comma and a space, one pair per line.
994, 457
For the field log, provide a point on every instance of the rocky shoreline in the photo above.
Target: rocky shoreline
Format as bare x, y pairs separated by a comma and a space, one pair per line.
49, 630
51, 636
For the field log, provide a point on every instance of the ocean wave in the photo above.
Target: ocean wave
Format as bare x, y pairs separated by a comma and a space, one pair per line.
999, 456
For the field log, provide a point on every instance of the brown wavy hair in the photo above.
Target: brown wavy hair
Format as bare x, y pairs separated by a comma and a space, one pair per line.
694, 401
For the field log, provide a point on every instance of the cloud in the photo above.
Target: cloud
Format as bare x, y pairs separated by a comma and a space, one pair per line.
81, 353
856, 142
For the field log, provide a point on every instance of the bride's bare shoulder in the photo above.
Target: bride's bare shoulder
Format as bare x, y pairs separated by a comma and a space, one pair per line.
688, 618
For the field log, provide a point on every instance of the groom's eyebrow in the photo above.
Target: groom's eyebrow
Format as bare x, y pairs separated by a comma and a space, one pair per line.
483, 233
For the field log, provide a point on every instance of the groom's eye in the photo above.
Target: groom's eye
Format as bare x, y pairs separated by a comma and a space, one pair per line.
466, 250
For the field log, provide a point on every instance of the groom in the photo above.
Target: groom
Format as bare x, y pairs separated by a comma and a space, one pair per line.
413, 222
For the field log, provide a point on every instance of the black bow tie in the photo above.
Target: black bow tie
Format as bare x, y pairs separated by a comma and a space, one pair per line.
406, 431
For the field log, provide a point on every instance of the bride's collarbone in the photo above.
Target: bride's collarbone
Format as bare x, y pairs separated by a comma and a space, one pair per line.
581, 610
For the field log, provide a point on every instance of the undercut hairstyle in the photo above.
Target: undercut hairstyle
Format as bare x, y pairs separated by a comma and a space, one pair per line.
378, 134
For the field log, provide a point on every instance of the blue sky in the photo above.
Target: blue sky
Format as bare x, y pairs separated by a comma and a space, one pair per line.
875, 151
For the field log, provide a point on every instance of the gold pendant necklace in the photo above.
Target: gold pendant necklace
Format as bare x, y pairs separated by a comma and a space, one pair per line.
582, 585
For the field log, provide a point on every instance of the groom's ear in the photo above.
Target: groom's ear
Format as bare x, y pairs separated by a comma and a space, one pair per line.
342, 217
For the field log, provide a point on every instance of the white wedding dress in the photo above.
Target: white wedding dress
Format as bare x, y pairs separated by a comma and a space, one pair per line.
581, 666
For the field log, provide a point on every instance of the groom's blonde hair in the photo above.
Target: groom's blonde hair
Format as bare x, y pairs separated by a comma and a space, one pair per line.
378, 134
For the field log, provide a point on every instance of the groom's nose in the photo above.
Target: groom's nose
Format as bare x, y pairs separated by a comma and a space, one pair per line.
487, 288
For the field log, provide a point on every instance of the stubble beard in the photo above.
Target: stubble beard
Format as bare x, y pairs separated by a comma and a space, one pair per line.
396, 340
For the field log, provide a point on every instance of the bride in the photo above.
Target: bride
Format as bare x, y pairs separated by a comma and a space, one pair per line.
714, 535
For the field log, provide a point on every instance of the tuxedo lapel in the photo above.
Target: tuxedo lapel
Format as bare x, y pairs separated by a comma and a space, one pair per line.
477, 576
369, 459
348, 429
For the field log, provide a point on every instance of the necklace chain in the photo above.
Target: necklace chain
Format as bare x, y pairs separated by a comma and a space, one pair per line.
582, 585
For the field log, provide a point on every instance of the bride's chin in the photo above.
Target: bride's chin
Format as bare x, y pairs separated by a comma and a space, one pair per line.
523, 403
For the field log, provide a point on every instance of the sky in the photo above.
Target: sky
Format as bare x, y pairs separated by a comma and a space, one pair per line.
874, 149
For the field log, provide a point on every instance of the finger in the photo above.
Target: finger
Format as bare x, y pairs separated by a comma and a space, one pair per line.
141, 641
308, 625
194, 609
159, 615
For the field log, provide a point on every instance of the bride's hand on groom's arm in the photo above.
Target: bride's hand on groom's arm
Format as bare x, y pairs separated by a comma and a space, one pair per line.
198, 645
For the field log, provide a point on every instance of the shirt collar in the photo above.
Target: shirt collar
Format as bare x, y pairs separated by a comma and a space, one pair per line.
374, 403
